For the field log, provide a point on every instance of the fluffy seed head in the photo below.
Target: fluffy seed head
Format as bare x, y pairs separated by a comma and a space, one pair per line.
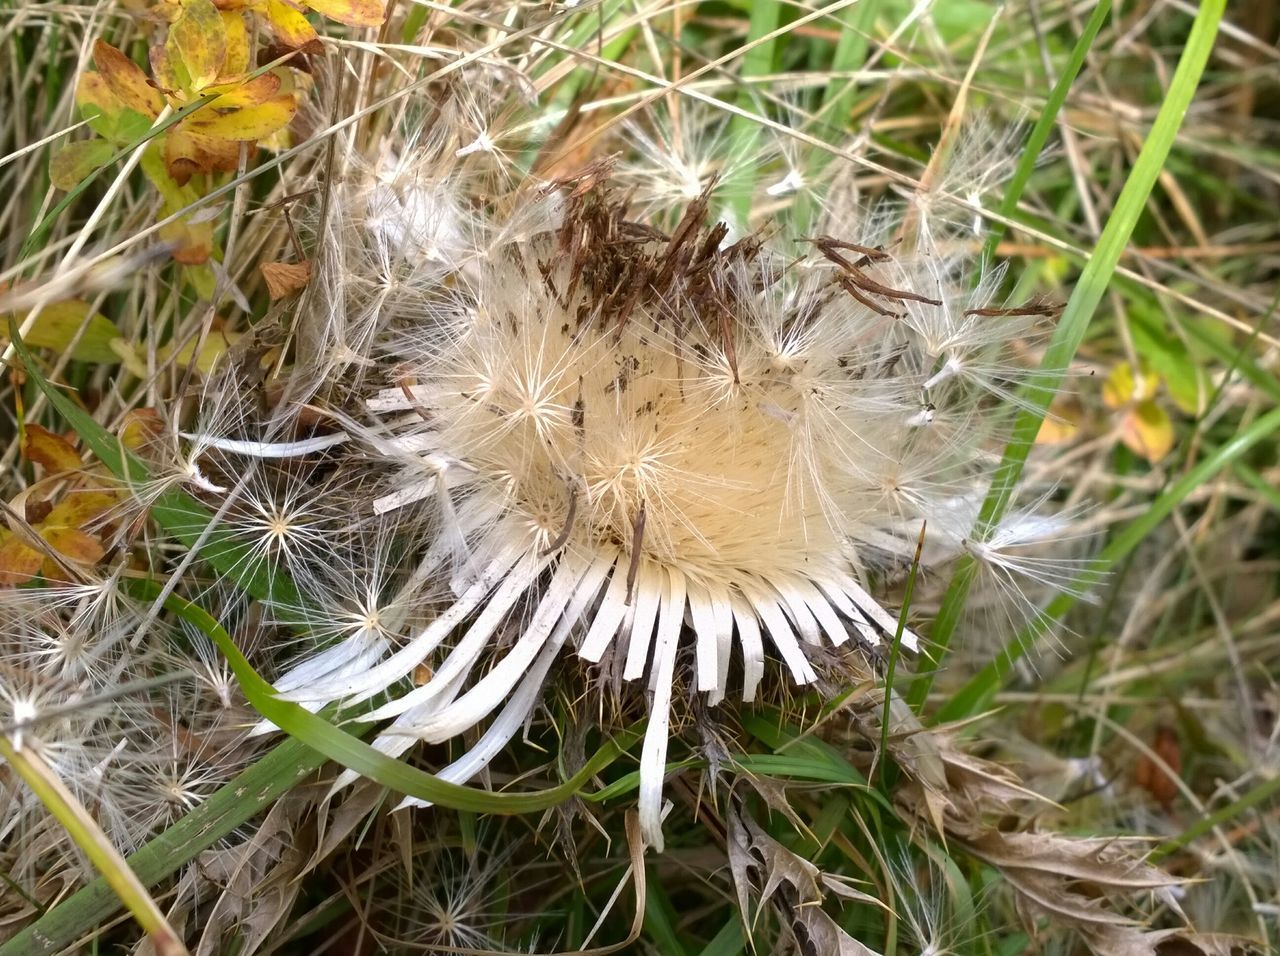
620, 429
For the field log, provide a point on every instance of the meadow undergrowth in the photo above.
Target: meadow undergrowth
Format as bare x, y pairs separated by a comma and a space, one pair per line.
688, 478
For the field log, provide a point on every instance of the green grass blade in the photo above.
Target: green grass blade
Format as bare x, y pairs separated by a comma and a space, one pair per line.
831, 119
1044, 125
1263, 792
728, 942
895, 649
1071, 329
83, 831
744, 133
976, 695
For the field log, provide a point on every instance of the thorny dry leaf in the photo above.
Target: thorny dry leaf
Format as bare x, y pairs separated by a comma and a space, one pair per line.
1126, 941
761, 866
258, 879
1079, 882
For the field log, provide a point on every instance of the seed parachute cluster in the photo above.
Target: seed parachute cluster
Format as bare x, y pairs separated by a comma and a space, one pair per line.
679, 447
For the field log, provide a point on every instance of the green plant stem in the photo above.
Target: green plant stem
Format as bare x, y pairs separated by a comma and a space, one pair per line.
1259, 794
743, 133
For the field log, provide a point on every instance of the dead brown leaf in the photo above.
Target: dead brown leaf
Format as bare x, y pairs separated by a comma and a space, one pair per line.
285, 279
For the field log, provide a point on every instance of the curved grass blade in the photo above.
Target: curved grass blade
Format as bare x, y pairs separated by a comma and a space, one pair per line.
317, 737
354, 754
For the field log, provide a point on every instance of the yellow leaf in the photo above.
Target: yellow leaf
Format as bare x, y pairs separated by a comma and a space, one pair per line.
1117, 390
1061, 424
215, 346
1147, 431
92, 90
74, 545
202, 281
139, 426
75, 161
198, 39
1123, 386
126, 81
237, 35
54, 452
170, 72
58, 323
107, 115
79, 507
245, 92
192, 242
244, 124
354, 13
290, 27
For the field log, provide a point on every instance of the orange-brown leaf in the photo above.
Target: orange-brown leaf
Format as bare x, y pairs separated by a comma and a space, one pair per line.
1147, 430
126, 80
290, 27
245, 92
54, 452
285, 278
19, 562
1153, 778
187, 152
354, 13
1061, 424
192, 242
140, 426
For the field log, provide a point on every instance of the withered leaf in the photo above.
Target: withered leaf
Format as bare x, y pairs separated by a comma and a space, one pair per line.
54, 452
285, 278
126, 81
